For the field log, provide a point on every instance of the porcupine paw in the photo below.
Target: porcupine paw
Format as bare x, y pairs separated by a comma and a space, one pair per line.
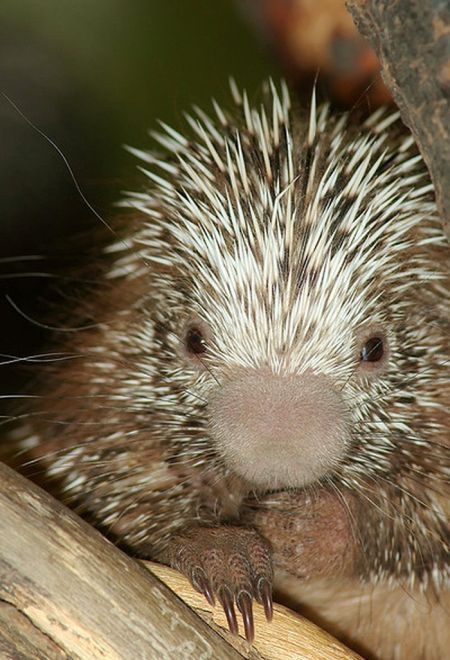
232, 564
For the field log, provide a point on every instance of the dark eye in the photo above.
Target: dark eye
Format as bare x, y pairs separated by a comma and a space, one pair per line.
373, 350
195, 341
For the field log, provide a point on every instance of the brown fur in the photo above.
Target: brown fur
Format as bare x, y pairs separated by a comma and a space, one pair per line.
382, 622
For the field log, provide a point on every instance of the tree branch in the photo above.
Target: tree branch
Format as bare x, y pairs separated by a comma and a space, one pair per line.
412, 41
79, 595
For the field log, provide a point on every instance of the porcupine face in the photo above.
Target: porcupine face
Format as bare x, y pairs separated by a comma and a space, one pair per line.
299, 252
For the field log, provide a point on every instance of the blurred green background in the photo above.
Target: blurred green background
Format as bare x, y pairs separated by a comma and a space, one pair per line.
94, 75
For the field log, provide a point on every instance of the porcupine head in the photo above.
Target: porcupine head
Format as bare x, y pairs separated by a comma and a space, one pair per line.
275, 322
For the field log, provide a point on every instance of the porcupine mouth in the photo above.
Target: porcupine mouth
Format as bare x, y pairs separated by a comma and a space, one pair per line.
279, 431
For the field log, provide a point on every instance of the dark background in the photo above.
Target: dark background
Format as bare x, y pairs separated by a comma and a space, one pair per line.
93, 75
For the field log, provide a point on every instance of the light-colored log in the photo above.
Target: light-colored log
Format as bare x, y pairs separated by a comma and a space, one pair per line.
81, 593
68, 593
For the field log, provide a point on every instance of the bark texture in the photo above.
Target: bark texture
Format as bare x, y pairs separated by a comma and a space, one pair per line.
66, 592
412, 41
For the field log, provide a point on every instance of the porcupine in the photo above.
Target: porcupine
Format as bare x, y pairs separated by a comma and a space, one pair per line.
266, 384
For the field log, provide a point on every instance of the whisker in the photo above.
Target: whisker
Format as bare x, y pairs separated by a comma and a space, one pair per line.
44, 325
41, 358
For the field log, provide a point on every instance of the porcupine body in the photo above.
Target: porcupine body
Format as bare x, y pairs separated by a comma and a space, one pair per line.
270, 353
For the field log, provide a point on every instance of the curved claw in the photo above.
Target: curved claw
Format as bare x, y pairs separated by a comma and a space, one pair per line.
244, 603
226, 601
265, 598
201, 584
209, 594
207, 591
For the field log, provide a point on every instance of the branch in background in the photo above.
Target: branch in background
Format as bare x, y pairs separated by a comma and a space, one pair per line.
412, 41
318, 40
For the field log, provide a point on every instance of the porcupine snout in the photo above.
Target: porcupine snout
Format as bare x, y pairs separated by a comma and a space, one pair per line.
278, 431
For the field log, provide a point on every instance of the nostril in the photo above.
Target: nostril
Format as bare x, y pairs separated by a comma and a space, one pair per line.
279, 430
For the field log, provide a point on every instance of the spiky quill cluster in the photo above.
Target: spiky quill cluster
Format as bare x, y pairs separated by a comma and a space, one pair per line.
292, 241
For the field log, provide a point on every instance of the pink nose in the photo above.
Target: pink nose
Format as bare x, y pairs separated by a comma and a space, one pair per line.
279, 431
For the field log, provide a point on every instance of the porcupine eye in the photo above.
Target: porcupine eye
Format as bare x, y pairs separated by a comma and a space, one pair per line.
373, 350
195, 341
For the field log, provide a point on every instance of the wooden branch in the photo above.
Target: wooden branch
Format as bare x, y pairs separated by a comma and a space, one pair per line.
67, 593
412, 41
75, 595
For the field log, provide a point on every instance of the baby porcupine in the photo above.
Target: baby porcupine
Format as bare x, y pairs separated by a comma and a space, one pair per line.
267, 380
